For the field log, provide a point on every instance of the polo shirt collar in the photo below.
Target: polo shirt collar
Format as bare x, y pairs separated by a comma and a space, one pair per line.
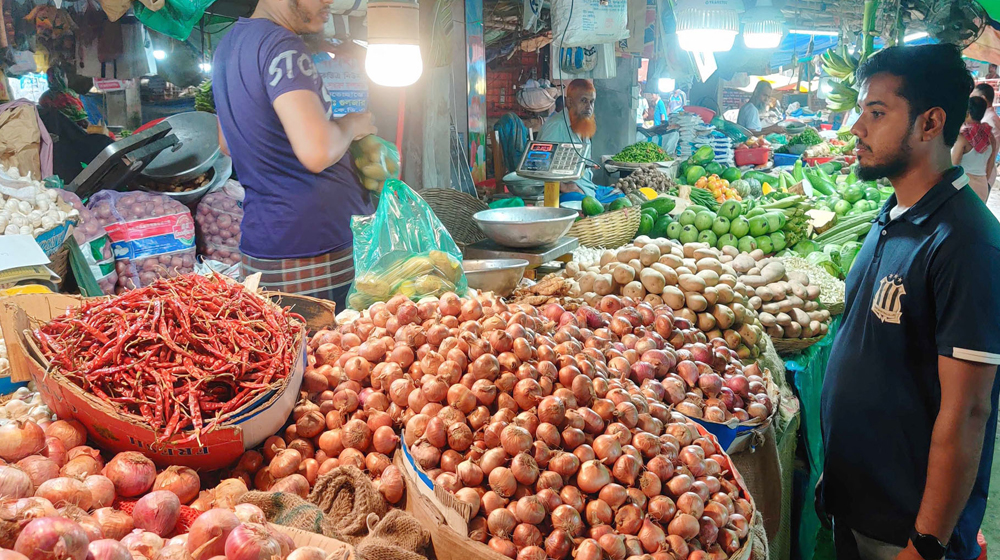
951, 182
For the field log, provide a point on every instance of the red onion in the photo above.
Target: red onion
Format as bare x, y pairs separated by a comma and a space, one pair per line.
52, 538
38, 468
252, 541
182, 481
114, 524
249, 513
102, 490
19, 439
131, 472
108, 549
16, 483
208, 534
142, 544
63, 490
157, 512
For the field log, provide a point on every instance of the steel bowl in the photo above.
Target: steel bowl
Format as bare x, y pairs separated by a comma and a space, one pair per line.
499, 276
527, 226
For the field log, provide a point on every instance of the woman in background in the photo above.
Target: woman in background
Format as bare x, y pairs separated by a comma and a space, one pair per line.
976, 148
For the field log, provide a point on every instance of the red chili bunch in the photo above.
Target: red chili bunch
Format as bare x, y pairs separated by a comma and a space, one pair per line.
181, 353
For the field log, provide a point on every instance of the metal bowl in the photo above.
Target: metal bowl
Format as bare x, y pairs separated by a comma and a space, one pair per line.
499, 276
221, 170
522, 187
528, 226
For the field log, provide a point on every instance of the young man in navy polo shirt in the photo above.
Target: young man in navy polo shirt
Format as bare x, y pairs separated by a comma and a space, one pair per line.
909, 403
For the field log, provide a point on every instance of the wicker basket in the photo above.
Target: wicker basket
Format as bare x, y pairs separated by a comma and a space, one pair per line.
610, 230
834, 308
59, 263
785, 346
455, 210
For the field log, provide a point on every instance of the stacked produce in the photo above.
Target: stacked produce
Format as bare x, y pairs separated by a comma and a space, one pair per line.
720, 188
732, 226
641, 152
29, 207
539, 420
644, 178
217, 224
831, 289
180, 354
787, 302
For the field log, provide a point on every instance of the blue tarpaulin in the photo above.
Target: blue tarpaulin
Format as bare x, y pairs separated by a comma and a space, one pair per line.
795, 45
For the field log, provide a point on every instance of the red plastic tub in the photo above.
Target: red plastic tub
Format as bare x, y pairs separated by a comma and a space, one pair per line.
706, 114
752, 156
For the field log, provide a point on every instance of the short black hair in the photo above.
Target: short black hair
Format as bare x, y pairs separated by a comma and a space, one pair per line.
932, 76
977, 108
986, 90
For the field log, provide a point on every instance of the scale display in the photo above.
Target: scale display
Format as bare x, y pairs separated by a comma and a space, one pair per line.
552, 161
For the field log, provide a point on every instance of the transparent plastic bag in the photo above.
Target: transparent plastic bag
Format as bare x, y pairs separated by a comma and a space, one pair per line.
376, 160
403, 249
94, 244
217, 224
152, 235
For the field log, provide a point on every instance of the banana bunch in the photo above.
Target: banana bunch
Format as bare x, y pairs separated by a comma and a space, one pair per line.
842, 97
203, 99
841, 65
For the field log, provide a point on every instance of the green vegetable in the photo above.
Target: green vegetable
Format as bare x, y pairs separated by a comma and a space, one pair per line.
704, 220
619, 203
708, 236
661, 204
848, 252
731, 174
824, 261
689, 234
591, 206
642, 152
730, 209
694, 173
808, 137
703, 155
804, 247
673, 230
713, 168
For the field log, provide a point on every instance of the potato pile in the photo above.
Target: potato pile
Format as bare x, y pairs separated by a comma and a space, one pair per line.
696, 281
787, 303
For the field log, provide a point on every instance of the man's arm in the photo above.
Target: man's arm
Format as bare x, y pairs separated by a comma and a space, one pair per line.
992, 161
222, 139
317, 141
956, 446
958, 150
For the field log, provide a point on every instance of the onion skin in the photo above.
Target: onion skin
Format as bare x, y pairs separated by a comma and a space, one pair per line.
208, 534
182, 481
114, 524
52, 538
108, 549
15, 483
251, 541
19, 439
131, 472
157, 512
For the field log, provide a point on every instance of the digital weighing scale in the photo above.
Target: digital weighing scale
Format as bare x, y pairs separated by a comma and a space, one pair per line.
553, 163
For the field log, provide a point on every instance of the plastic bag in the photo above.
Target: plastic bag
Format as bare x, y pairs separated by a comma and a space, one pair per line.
403, 249
94, 244
376, 160
217, 224
152, 235
583, 23
176, 18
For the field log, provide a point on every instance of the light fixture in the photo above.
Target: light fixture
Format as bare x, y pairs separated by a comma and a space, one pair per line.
815, 32
762, 26
666, 85
707, 25
205, 67
914, 36
393, 57
159, 54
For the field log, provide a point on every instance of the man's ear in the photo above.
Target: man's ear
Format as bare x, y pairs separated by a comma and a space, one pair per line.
933, 123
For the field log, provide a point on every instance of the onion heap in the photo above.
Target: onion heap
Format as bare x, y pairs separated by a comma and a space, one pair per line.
561, 432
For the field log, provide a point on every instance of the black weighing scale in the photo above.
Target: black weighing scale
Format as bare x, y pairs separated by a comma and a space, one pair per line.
120, 163
553, 163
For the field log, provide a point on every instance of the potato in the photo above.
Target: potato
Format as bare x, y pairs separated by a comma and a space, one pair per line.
784, 306
634, 290
636, 265
603, 284
823, 329
755, 271
754, 281
730, 251
709, 263
705, 322
725, 259
669, 274
800, 317
810, 305
649, 254
740, 311
798, 276
627, 253
623, 274
642, 241
690, 248
710, 295
592, 299
607, 257
783, 319
724, 316
773, 271
652, 281
691, 264
743, 263
664, 245
764, 293
710, 253
772, 308
775, 331
710, 277
653, 299
725, 293
671, 260
676, 250
757, 254
728, 279
767, 319
777, 291
812, 292
572, 269
695, 301
727, 269
687, 314
684, 270
795, 301
691, 283
755, 302
795, 330
673, 297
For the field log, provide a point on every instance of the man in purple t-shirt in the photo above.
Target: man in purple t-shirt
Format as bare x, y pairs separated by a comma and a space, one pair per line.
274, 119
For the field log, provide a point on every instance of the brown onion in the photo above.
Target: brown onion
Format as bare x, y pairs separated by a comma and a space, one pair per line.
568, 519
593, 476
15, 483
208, 533
52, 538
71, 432
108, 549
65, 491
182, 481
131, 472
114, 524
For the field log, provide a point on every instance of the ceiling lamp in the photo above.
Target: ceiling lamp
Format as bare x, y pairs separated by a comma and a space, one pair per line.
393, 57
707, 25
762, 26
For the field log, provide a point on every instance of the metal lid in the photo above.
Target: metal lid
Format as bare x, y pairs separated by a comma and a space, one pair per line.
198, 148
116, 167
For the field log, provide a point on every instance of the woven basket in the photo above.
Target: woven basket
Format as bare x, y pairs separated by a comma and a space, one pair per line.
834, 308
59, 263
786, 346
610, 230
455, 210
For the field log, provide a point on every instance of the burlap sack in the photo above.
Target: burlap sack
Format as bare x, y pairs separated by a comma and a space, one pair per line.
761, 471
398, 536
347, 495
760, 549
292, 511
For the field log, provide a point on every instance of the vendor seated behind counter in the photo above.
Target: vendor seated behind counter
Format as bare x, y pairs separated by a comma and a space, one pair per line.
749, 116
274, 119
575, 123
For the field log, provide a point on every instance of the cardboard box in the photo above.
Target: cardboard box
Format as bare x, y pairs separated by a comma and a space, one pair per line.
446, 517
245, 428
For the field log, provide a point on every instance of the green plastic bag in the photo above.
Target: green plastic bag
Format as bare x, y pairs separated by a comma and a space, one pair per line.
403, 249
376, 160
512, 202
176, 18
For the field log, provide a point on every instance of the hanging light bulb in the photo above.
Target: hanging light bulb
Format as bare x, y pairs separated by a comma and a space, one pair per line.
762, 26
707, 25
393, 57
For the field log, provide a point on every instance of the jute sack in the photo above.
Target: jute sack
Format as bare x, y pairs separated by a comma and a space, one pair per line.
761, 471
760, 549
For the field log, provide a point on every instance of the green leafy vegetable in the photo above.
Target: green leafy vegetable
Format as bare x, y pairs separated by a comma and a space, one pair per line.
808, 137
641, 152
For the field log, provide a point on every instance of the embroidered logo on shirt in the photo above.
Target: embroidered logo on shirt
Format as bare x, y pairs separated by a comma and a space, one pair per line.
887, 304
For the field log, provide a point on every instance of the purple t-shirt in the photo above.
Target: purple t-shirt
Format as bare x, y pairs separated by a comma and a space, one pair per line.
289, 212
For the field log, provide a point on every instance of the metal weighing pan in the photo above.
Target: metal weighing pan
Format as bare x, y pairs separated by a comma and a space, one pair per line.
195, 153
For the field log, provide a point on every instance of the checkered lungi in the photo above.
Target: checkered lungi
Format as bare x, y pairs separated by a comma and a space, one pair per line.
327, 276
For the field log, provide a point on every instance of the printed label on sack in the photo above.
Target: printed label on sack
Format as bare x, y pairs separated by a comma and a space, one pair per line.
93, 253
151, 237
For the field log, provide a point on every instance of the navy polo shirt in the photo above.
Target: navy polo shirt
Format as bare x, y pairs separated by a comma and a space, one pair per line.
924, 284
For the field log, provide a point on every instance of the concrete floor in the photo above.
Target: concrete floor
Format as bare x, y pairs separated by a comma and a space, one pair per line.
991, 523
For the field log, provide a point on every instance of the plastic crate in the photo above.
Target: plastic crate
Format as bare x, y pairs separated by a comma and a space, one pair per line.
752, 156
814, 161
785, 159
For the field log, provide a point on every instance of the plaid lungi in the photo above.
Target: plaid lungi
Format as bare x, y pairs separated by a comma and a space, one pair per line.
327, 276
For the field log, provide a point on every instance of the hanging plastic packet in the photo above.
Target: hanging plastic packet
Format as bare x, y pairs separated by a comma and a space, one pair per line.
376, 160
217, 224
94, 244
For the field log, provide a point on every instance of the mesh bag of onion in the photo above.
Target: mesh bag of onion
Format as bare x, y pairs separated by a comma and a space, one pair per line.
94, 244
217, 223
151, 235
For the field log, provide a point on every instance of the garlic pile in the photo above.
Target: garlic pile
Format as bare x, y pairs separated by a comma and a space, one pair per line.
4, 362
26, 404
30, 208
